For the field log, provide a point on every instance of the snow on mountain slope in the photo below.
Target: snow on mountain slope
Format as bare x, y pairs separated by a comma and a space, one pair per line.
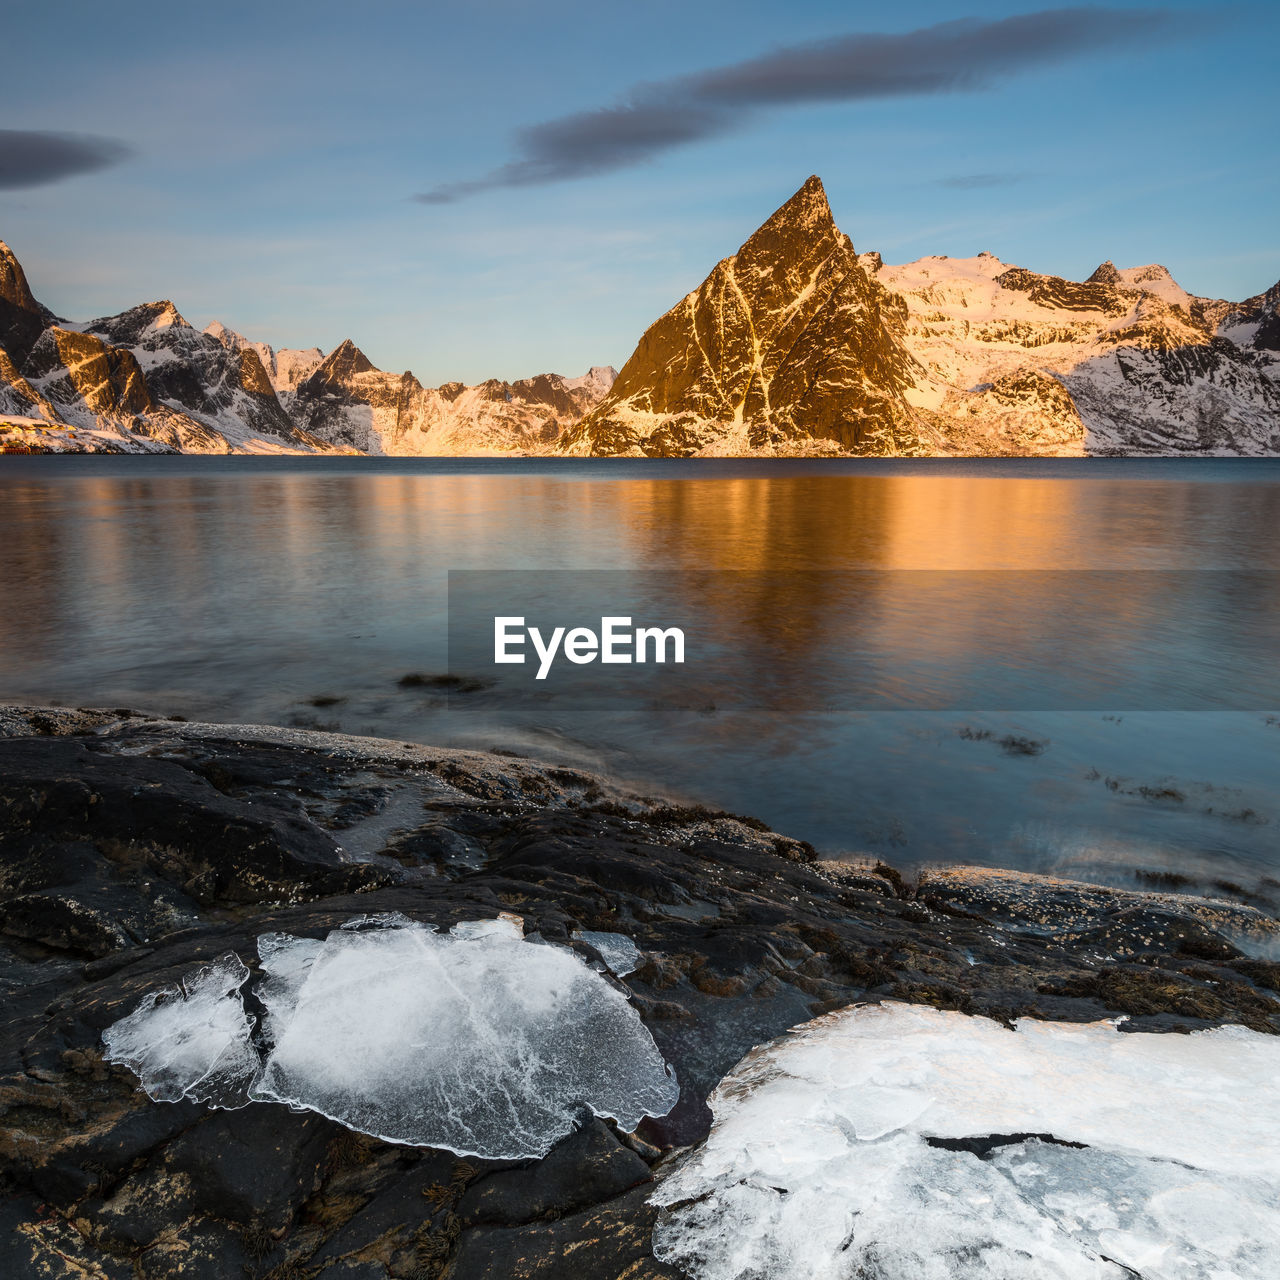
1125, 363
140, 382
285, 368
347, 401
224, 388
794, 345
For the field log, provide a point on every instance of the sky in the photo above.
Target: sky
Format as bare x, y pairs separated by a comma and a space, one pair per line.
501, 188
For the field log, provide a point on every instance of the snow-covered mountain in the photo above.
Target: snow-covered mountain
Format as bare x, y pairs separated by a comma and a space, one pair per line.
347, 401
285, 368
796, 345
146, 381
1126, 362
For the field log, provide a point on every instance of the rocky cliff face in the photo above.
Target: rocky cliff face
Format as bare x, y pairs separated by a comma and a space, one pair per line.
285, 368
223, 387
22, 318
787, 345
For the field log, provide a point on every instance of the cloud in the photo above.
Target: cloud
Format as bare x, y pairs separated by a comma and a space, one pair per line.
32, 158
976, 181
963, 56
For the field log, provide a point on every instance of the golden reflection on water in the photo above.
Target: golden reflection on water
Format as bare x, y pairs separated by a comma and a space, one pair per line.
104, 558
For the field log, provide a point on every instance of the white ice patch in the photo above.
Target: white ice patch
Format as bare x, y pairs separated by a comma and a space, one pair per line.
191, 1041
616, 950
819, 1167
476, 1040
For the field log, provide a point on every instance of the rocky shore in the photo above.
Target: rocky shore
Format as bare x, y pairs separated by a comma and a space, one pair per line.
133, 849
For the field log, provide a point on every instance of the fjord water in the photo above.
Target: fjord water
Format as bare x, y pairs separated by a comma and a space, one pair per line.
251, 590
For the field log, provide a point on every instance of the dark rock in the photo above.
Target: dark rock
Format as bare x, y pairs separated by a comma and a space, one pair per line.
22, 318
587, 1168
604, 1243
256, 1165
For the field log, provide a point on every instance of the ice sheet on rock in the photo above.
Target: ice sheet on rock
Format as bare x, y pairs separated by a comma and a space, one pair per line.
505, 924
474, 1040
820, 1166
285, 962
477, 1040
618, 951
191, 1041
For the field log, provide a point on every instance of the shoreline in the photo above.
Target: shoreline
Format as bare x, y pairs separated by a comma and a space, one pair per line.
135, 849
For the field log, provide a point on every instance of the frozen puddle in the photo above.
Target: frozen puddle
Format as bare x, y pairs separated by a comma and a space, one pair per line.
897, 1142
473, 1040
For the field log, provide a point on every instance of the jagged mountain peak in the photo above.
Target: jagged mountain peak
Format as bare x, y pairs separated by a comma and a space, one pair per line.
597, 380
167, 316
788, 340
228, 337
803, 229
1153, 277
808, 211
22, 318
131, 328
345, 361
13, 281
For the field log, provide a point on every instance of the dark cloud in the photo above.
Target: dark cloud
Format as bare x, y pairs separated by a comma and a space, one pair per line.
975, 181
32, 158
951, 57
592, 142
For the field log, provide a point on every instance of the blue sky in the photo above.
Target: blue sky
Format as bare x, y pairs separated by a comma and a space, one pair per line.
276, 149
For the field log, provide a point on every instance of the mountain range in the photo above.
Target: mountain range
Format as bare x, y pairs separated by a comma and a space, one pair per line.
795, 345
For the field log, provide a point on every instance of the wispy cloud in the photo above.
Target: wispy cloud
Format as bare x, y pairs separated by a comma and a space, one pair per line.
977, 181
962, 56
32, 158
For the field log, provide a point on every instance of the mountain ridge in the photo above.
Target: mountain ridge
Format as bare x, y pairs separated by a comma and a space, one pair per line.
951, 357
794, 345
146, 380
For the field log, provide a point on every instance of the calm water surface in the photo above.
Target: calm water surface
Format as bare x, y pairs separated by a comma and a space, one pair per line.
240, 589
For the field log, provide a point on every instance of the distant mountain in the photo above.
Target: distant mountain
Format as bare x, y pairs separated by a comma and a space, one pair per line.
346, 401
796, 345
146, 381
285, 368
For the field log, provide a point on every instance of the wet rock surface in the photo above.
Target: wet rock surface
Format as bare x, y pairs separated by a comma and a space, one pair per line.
133, 849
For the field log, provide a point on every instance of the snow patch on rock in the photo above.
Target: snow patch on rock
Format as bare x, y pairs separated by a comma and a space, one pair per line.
899, 1140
